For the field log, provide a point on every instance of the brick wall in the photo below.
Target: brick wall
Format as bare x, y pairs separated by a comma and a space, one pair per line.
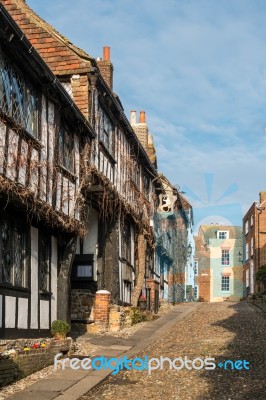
106, 69
28, 362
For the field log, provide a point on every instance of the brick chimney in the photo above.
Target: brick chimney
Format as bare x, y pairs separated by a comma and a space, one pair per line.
106, 67
262, 197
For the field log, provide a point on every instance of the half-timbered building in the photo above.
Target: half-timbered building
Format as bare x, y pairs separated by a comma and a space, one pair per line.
42, 137
119, 186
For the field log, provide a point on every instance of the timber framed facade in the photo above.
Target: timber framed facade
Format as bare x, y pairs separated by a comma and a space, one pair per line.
118, 184
42, 135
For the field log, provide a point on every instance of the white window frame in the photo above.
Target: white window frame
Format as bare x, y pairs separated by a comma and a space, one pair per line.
246, 227
247, 251
251, 220
252, 246
225, 259
222, 233
225, 283
196, 267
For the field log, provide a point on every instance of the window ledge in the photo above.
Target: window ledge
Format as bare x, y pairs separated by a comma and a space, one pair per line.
107, 152
45, 293
67, 173
15, 288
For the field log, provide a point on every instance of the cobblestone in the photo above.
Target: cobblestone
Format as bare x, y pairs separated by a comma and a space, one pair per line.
218, 330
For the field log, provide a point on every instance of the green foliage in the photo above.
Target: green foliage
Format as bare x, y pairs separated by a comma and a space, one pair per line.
137, 316
261, 274
60, 328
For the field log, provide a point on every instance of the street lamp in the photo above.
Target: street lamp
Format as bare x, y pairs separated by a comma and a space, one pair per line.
189, 250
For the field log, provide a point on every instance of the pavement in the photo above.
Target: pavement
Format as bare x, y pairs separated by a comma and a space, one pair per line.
69, 384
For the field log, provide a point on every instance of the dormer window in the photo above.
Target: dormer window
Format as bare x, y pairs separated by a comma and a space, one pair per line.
222, 235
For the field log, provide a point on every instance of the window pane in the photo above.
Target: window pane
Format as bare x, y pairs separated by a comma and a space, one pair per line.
66, 148
18, 99
44, 259
225, 257
84, 271
6, 248
225, 283
12, 253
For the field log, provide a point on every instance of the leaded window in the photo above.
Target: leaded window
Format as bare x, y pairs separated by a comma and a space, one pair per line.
18, 99
106, 131
44, 261
12, 253
66, 148
126, 242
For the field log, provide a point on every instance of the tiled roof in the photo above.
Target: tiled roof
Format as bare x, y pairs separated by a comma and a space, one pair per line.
59, 53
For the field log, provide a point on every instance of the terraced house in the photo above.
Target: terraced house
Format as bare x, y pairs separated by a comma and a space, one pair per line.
42, 138
117, 193
91, 177
218, 255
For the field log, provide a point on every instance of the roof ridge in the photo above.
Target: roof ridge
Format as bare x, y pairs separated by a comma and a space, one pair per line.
63, 39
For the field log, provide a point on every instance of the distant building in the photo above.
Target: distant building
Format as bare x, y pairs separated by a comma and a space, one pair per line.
218, 251
254, 254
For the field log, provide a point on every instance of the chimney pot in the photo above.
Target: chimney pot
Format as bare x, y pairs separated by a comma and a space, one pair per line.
106, 53
142, 117
133, 117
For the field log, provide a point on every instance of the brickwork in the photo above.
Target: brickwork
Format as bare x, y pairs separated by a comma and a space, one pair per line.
141, 131
202, 255
28, 362
254, 228
154, 294
102, 309
204, 286
62, 56
106, 69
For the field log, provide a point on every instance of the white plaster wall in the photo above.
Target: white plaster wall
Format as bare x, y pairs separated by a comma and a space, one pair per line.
34, 278
22, 313
54, 279
44, 314
10, 311
91, 237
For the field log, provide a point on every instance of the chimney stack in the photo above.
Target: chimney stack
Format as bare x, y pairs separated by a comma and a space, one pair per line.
140, 128
106, 67
133, 117
106, 53
142, 117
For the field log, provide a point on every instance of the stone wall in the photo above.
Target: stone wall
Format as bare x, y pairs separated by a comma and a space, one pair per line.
82, 304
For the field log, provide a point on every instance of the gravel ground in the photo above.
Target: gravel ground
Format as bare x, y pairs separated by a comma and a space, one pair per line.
234, 331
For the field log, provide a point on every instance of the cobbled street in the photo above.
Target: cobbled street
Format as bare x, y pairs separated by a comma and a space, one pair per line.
228, 330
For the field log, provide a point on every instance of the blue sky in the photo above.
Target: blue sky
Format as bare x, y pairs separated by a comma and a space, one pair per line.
198, 69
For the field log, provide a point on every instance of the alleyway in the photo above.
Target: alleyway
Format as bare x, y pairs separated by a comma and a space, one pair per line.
235, 331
